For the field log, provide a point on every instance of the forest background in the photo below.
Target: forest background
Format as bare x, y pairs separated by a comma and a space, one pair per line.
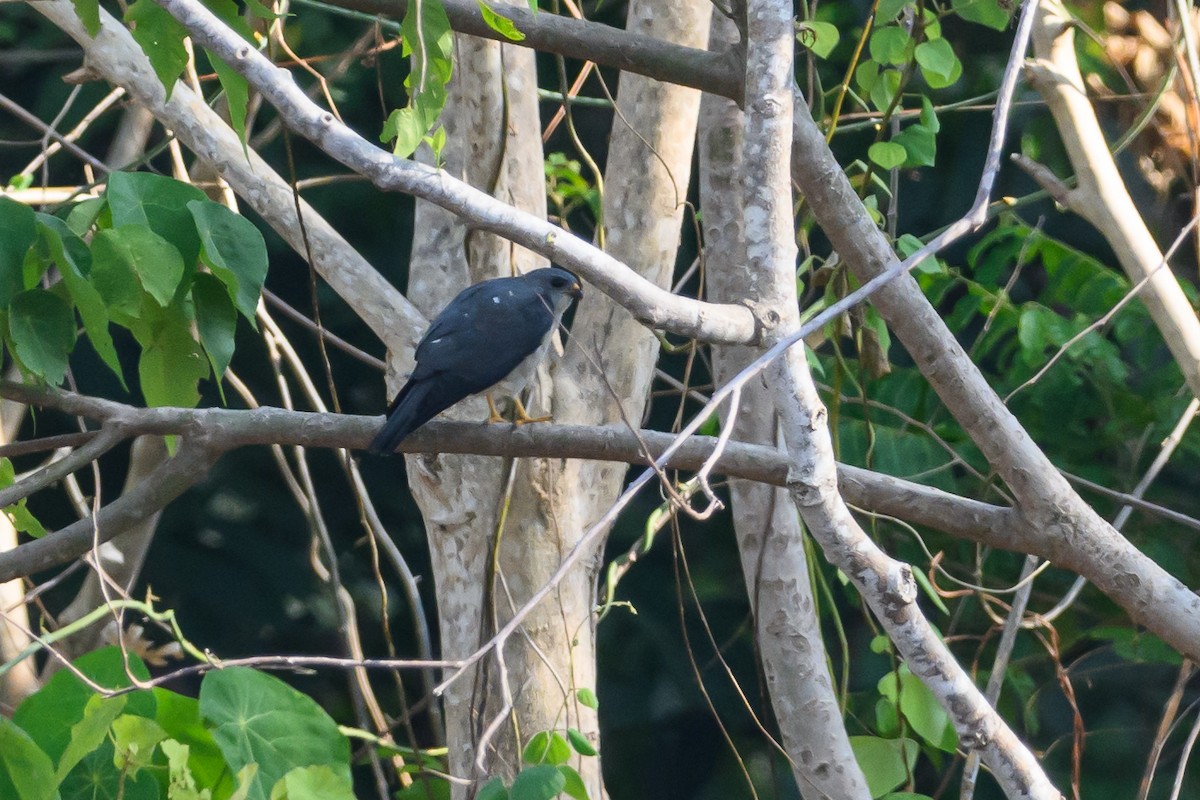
905, 93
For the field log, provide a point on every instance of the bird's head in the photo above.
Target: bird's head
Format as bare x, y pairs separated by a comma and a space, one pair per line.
556, 286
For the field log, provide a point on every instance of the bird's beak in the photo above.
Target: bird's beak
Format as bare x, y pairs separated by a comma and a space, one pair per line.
577, 290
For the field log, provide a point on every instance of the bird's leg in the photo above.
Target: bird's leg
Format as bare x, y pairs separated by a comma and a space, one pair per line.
493, 414
521, 416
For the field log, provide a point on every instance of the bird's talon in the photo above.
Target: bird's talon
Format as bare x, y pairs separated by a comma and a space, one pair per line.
521, 417
494, 416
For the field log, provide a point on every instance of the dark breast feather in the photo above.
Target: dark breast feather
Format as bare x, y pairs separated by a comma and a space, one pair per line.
480, 341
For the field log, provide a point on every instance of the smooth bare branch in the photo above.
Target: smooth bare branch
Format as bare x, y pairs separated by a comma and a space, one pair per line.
1100, 195
655, 307
1071, 534
626, 50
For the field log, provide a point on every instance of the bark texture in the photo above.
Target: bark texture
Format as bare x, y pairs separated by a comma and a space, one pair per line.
885, 584
604, 377
769, 533
494, 144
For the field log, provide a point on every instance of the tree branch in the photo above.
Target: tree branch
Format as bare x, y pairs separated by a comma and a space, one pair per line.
770, 534
1101, 196
628, 51
114, 54
225, 429
189, 466
655, 307
885, 584
1071, 534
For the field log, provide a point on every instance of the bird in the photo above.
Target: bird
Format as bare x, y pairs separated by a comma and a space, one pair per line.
493, 332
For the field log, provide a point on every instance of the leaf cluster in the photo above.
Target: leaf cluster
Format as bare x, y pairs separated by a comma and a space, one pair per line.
153, 256
249, 736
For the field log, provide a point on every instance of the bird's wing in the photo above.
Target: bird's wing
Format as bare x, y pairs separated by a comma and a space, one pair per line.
484, 333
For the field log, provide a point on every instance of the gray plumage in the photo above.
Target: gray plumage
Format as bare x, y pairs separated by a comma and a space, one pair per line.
492, 331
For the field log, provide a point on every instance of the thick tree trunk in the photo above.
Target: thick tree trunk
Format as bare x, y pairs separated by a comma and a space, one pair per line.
770, 536
493, 143
604, 377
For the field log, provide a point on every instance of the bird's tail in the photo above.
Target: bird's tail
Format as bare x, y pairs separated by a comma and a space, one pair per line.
413, 407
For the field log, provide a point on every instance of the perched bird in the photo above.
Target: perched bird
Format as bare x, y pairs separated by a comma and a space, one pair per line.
493, 331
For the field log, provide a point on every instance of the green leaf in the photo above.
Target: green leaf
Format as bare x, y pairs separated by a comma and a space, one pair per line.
50, 714
907, 244
427, 787
936, 81
431, 48
888, 10
23, 519
587, 697
26, 772
258, 719
546, 747
574, 783
18, 231
936, 57
885, 88
887, 719
543, 782
20, 181
113, 275
161, 39
171, 365
890, 45
42, 330
933, 25
74, 263
89, 732
158, 202
89, 15
929, 118
1133, 645
134, 740
235, 252
83, 214
580, 742
179, 716
920, 140
500, 24
887, 154
407, 128
228, 12
984, 12
437, 37
318, 782
20, 516
906, 796
181, 784
923, 581
493, 790
919, 145
437, 143
237, 95
886, 763
235, 86
216, 319
260, 10
819, 37
866, 75
245, 782
151, 259
918, 705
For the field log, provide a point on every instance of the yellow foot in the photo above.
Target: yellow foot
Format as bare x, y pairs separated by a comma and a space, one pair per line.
493, 415
521, 417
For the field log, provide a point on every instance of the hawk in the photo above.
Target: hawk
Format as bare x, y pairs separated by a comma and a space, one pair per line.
492, 335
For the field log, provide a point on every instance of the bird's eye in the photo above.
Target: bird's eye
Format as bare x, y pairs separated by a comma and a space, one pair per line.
558, 283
